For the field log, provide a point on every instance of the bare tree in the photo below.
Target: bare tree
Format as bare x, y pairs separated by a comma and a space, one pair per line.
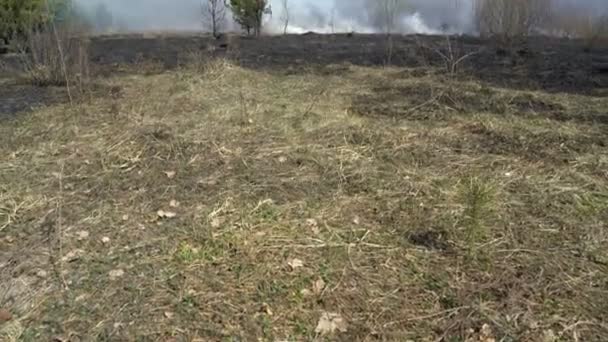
285, 16
388, 9
332, 20
387, 13
511, 18
576, 22
214, 15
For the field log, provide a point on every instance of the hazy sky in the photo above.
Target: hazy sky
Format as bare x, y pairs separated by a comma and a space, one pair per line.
307, 14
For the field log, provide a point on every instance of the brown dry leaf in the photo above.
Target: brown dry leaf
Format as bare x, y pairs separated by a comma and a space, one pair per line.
549, 336
81, 235
216, 222
486, 334
329, 323
295, 263
169, 314
170, 174
82, 297
114, 274
313, 225
5, 315
318, 286
266, 309
166, 214
73, 255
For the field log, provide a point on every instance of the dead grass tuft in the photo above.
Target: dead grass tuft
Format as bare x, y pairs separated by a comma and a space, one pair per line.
56, 60
207, 65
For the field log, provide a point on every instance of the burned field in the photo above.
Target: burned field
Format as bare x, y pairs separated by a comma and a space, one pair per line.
300, 188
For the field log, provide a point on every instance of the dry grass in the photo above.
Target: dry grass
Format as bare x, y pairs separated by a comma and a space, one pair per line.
56, 58
481, 214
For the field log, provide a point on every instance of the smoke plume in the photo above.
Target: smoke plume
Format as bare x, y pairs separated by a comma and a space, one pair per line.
323, 16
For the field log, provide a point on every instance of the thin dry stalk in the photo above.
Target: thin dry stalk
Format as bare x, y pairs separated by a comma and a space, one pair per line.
315, 99
389, 49
61, 54
285, 15
244, 109
83, 75
58, 231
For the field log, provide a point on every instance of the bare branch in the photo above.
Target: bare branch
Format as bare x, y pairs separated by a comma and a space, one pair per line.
285, 15
214, 15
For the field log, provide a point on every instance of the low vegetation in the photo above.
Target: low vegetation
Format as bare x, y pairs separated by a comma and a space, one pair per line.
19, 17
215, 202
55, 59
249, 14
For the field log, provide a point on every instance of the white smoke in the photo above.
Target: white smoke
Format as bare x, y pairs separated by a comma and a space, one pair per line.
322, 16
412, 23
415, 23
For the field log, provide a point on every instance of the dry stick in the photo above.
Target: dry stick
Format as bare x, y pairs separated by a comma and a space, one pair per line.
244, 110
61, 55
83, 70
329, 245
389, 50
313, 102
425, 317
59, 230
433, 99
